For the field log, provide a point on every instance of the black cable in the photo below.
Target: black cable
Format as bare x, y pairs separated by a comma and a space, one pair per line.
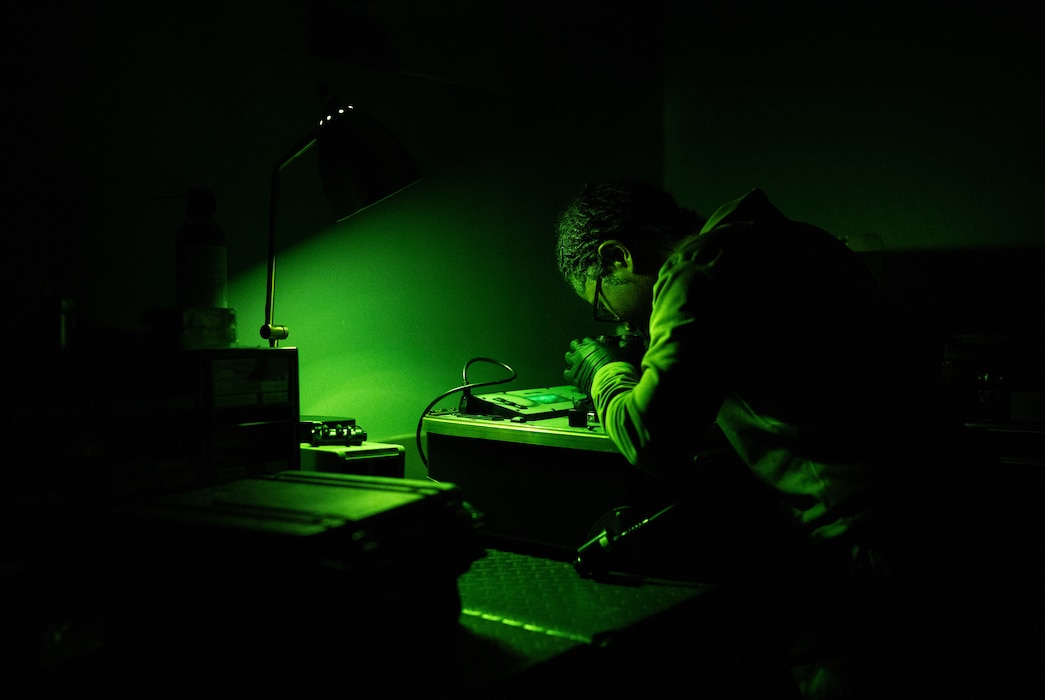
465, 386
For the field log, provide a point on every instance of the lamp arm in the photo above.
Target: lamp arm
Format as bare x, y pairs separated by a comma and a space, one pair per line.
270, 331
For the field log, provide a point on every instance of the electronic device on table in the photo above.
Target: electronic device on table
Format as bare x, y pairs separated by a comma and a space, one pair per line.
530, 404
330, 430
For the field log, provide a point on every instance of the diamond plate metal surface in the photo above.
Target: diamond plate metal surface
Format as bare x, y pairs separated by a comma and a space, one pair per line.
549, 599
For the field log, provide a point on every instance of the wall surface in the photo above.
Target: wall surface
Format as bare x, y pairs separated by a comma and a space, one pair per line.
910, 129
889, 127
507, 110
915, 122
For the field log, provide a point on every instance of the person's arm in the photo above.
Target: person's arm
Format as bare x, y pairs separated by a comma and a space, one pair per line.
660, 415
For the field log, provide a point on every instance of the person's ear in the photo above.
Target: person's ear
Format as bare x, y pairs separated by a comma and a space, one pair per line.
617, 254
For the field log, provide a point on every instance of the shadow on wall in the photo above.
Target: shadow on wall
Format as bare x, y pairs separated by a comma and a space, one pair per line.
975, 290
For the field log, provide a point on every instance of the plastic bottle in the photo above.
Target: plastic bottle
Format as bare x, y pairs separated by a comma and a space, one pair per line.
202, 266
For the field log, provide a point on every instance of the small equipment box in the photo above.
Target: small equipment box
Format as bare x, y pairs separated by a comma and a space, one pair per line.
368, 458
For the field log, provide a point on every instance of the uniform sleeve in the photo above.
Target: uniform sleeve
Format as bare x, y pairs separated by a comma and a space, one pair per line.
655, 416
701, 326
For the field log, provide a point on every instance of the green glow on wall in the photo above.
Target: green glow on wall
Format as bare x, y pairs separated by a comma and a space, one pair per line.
386, 307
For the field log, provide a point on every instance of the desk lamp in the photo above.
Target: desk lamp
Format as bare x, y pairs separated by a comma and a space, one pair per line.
360, 163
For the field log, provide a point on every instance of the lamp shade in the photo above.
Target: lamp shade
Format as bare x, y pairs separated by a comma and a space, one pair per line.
360, 161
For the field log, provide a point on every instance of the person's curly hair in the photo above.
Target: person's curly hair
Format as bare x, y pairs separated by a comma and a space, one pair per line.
632, 211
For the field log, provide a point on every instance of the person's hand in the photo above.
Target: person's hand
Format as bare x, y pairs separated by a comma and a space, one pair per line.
584, 359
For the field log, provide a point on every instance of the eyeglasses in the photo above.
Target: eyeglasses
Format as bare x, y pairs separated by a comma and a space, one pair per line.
600, 310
